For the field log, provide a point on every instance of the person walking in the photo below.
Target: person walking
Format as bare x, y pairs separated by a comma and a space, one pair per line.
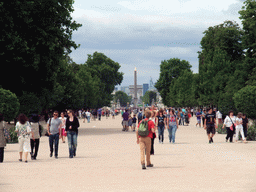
88, 115
125, 120
129, 123
228, 122
245, 125
140, 116
160, 123
99, 113
210, 124
145, 141
63, 126
34, 139
203, 116
239, 127
23, 129
198, 117
54, 130
134, 121
153, 118
219, 117
2, 138
72, 125
172, 125
182, 117
84, 115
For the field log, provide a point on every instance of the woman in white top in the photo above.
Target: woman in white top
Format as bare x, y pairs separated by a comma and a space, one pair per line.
239, 127
23, 129
229, 120
63, 127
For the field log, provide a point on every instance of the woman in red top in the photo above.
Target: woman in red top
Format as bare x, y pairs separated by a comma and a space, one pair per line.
145, 142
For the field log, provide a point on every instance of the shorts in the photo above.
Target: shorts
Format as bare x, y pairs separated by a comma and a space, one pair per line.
125, 123
24, 144
210, 128
199, 121
134, 124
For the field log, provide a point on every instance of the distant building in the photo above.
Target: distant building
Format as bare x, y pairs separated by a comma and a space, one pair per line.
126, 90
145, 88
139, 91
116, 89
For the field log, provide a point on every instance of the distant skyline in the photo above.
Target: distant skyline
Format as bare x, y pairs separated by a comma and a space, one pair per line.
142, 33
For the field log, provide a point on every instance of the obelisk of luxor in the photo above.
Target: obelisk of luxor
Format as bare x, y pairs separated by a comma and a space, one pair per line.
135, 99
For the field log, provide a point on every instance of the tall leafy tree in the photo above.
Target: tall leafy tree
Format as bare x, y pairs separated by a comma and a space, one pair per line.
34, 37
222, 53
122, 97
107, 71
169, 70
248, 17
148, 97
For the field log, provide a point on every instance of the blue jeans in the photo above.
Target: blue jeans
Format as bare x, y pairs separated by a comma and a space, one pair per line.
54, 139
172, 132
88, 119
72, 143
161, 132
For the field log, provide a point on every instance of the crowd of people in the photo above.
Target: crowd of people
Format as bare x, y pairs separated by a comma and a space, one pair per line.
170, 119
155, 120
58, 127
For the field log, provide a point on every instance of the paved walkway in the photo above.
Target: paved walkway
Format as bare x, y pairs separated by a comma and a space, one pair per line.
109, 160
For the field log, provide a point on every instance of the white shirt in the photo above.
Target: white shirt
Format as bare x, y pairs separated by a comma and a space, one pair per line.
63, 122
228, 121
219, 115
88, 114
240, 120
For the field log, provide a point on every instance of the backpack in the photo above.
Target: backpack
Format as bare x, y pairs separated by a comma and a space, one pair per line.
140, 115
143, 128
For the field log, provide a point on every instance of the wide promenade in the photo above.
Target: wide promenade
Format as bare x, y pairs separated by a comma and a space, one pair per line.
109, 160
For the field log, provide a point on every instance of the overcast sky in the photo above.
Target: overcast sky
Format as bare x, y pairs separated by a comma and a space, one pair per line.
142, 33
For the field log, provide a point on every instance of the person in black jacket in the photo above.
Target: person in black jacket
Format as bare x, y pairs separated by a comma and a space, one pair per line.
72, 125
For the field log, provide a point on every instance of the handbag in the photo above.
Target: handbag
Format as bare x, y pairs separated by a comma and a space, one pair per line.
233, 126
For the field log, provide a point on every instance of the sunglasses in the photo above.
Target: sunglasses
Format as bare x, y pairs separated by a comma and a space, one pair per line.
55, 114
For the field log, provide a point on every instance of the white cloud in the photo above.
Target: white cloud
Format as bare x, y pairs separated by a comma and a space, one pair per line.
142, 33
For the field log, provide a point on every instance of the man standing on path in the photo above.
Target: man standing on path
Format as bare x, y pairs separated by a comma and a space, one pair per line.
99, 113
125, 120
145, 141
54, 130
210, 124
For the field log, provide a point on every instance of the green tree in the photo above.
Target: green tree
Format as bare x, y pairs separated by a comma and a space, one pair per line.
220, 59
169, 70
148, 97
248, 17
182, 90
245, 100
122, 97
35, 58
9, 104
106, 70
30, 103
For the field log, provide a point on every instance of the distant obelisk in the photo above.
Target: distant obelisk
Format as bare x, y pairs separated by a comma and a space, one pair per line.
135, 88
